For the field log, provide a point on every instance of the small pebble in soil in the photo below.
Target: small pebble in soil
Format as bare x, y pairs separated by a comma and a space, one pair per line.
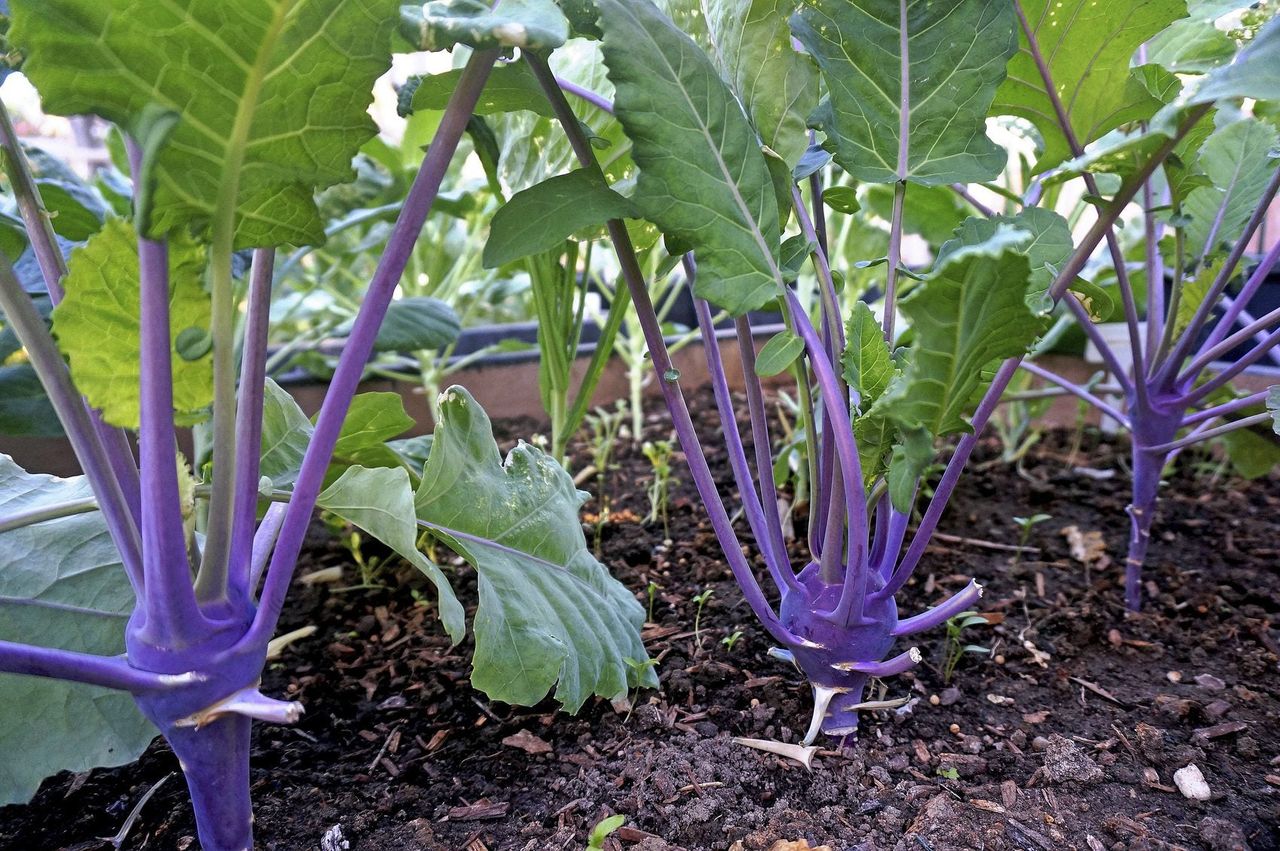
1191, 783
1209, 682
1064, 762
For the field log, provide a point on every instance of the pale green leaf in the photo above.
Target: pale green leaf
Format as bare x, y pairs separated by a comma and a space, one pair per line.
970, 312
777, 85
98, 324
272, 94
416, 323
1088, 46
927, 126
778, 353
286, 433
542, 217
868, 364
1191, 47
910, 459
547, 611
1238, 160
61, 585
1049, 248
1252, 455
703, 179
511, 87
380, 501
1194, 292
441, 24
1254, 74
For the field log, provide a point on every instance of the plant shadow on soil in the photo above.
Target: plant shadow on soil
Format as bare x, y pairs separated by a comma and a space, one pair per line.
1066, 736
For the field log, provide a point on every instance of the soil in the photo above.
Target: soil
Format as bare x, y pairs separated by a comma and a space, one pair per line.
1066, 734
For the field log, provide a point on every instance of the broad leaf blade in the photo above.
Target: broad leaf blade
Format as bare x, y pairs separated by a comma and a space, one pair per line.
1048, 249
1088, 46
777, 85
380, 501
511, 87
98, 324
1254, 74
542, 217
416, 323
1239, 162
929, 127
548, 611
61, 585
441, 24
971, 311
703, 179
271, 91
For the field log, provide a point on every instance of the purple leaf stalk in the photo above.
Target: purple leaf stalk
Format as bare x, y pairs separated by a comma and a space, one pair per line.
837, 617
194, 661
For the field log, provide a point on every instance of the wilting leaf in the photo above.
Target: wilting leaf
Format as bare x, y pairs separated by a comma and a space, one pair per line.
61, 585
548, 611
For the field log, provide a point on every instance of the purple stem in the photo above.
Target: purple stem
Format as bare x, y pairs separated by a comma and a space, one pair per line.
895, 250
253, 373
898, 522
355, 355
849, 608
1184, 345
967, 197
1205, 434
1155, 273
112, 672
1253, 331
1226, 408
962, 601
1113, 244
1198, 394
1248, 319
1147, 467
671, 393
751, 504
264, 541
72, 413
1246, 294
899, 664
763, 448
1076, 390
215, 762
172, 617
597, 100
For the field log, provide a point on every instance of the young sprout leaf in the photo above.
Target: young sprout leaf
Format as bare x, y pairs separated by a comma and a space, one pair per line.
548, 611
441, 24
842, 199
703, 178
314, 67
97, 325
777, 85
1087, 46
61, 585
868, 364
544, 216
927, 125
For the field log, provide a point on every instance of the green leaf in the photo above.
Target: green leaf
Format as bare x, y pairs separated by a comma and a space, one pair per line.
286, 433
98, 326
372, 420
272, 94
703, 179
911, 458
955, 54
582, 17
380, 501
25, 409
1254, 74
971, 311
868, 364
779, 353
416, 323
1194, 292
547, 609
61, 585
777, 86
1088, 46
1252, 455
440, 24
1191, 47
1049, 248
511, 87
542, 217
842, 199
933, 212
1238, 160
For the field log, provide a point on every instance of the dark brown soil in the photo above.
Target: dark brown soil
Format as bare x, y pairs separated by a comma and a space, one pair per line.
1066, 735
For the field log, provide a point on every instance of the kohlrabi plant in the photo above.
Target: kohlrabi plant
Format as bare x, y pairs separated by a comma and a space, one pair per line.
163, 583
719, 110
